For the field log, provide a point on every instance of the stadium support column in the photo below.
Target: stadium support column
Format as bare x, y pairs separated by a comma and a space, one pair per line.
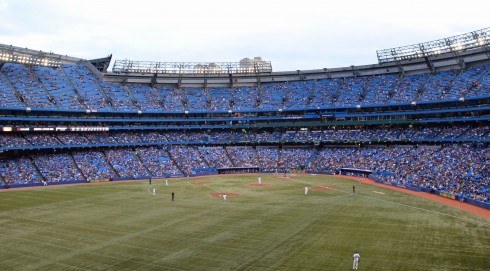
482, 41
327, 71
153, 80
355, 71
230, 78
461, 62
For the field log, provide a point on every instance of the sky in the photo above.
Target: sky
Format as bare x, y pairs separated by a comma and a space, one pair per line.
293, 35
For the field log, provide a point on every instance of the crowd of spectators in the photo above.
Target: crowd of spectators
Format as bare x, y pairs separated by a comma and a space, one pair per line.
460, 169
147, 98
19, 171
242, 156
158, 161
187, 158
87, 87
57, 167
227, 136
350, 91
268, 157
7, 96
221, 98
272, 96
245, 97
75, 87
299, 94
326, 91
379, 88
295, 158
93, 164
408, 88
118, 96
439, 86
126, 162
27, 85
195, 99
58, 86
216, 157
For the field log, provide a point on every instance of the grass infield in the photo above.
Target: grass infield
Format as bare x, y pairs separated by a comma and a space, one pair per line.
123, 226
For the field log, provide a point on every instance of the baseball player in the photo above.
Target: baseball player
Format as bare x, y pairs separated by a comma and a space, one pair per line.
357, 258
260, 180
224, 197
306, 190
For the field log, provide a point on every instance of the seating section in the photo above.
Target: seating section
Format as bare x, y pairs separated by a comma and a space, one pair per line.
295, 157
187, 159
245, 98
158, 161
221, 98
126, 162
93, 164
379, 89
299, 94
216, 157
242, 156
408, 88
75, 87
36, 140
28, 86
350, 91
7, 94
273, 96
268, 157
438, 86
148, 98
431, 156
57, 167
87, 87
19, 171
461, 169
118, 96
172, 98
196, 99
326, 92
59, 87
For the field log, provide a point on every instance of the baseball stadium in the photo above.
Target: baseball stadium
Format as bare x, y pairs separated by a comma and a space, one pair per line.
109, 164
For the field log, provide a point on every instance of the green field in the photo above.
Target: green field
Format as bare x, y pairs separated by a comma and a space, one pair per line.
122, 226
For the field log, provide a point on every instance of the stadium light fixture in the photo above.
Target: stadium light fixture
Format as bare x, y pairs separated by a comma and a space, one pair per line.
130, 66
467, 41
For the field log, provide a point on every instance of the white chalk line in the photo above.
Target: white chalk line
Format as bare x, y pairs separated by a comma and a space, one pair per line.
409, 206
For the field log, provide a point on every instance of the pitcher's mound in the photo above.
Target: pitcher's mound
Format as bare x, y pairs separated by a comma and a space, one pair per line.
220, 195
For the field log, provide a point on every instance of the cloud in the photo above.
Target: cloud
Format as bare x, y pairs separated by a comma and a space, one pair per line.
294, 35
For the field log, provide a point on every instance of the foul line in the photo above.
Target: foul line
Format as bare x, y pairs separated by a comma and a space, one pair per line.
405, 205
427, 210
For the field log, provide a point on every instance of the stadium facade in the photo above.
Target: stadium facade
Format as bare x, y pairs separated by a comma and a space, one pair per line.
418, 119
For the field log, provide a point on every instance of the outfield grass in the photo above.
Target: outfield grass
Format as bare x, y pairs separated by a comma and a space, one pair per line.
122, 226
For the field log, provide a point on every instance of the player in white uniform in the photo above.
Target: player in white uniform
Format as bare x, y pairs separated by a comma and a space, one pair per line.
260, 180
154, 191
306, 190
356, 258
166, 182
224, 197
